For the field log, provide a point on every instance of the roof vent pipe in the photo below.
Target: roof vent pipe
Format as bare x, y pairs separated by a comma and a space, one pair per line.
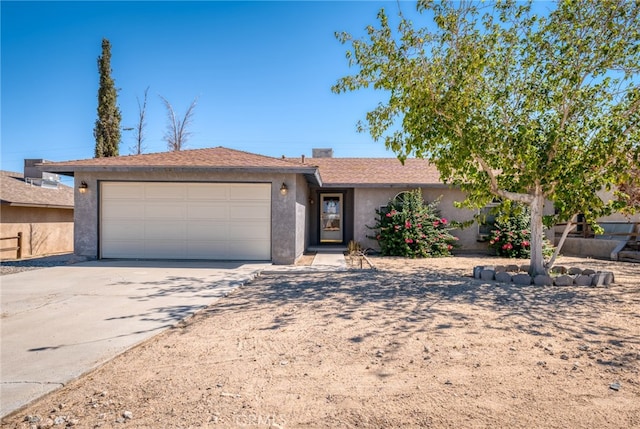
303, 159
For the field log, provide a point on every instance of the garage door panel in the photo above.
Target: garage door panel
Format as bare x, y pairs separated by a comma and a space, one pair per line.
165, 249
165, 191
247, 231
249, 211
227, 221
122, 209
127, 230
213, 249
122, 248
251, 192
166, 230
215, 231
208, 210
126, 190
208, 192
253, 250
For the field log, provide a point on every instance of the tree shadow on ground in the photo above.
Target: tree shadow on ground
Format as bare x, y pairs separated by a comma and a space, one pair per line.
405, 304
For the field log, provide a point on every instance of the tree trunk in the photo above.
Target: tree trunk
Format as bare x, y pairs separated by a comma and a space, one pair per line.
537, 234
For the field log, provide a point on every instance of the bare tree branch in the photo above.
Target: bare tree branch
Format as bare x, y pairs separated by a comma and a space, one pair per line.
177, 130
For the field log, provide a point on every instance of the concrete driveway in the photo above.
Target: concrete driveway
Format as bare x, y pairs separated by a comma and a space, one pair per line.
58, 323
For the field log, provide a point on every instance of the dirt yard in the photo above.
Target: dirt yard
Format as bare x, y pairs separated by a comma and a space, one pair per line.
415, 344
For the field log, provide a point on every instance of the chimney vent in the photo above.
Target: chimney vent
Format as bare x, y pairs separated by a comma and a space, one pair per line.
323, 153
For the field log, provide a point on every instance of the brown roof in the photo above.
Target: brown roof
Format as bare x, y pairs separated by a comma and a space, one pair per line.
375, 171
333, 171
217, 157
15, 191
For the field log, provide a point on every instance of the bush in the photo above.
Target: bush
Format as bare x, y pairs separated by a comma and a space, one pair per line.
511, 233
408, 227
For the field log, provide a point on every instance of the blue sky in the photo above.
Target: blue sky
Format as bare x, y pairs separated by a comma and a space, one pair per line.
262, 73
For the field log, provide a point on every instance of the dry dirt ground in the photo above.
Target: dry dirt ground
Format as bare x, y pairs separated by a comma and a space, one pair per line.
416, 344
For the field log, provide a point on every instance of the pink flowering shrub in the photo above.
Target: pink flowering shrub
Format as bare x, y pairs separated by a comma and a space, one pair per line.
511, 235
413, 229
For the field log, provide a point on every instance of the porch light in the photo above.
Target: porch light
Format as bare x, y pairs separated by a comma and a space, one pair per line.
83, 187
284, 189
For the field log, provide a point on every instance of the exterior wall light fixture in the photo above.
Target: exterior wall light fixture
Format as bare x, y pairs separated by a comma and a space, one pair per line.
284, 189
83, 187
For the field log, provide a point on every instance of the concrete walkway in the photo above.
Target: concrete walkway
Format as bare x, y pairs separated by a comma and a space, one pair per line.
59, 323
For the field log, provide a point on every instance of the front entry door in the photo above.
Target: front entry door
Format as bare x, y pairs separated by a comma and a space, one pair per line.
331, 218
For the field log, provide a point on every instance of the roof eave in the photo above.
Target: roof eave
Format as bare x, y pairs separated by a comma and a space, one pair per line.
70, 170
386, 185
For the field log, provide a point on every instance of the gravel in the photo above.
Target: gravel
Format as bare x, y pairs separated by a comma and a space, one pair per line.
18, 266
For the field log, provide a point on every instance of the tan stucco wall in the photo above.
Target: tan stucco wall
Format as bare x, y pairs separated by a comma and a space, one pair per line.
285, 214
302, 204
44, 230
367, 200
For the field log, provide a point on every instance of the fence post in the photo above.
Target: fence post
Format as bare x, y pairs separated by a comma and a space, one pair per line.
19, 250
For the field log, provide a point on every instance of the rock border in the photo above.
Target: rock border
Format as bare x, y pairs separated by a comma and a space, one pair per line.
564, 276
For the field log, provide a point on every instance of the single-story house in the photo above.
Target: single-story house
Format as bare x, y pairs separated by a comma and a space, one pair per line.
37, 207
225, 204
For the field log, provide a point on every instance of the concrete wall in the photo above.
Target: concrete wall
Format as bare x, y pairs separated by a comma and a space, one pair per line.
285, 214
44, 230
588, 247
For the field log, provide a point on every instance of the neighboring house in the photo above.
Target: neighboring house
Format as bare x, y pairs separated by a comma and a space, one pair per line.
39, 208
225, 204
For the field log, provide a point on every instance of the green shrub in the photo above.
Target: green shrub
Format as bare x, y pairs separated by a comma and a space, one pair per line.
408, 227
511, 233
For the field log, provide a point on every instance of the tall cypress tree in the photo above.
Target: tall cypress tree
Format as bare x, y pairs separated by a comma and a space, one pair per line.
107, 129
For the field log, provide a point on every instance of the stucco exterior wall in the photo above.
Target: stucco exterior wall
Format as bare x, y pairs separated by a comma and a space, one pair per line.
302, 202
367, 200
284, 216
45, 231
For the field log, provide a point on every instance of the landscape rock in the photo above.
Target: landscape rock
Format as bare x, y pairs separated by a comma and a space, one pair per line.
601, 279
477, 270
522, 279
559, 269
582, 280
512, 268
503, 277
615, 386
500, 268
525, 268
588, 272
574, 271
564, 280
543, 280
487, 274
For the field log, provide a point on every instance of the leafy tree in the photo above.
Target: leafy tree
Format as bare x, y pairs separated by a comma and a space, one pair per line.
409, 227
510, 104
511, 233
177, 129
107, 128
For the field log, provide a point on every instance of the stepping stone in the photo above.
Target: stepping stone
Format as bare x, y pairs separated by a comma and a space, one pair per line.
522, 279
543, 280
503, 277
582, 280
564, 281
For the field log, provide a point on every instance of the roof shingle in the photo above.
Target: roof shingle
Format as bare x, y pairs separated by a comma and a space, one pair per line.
14, 190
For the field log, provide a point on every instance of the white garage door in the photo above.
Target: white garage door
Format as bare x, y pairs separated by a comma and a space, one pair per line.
226, 221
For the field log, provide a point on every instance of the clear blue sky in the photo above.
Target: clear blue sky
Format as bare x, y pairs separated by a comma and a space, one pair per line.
262, 72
